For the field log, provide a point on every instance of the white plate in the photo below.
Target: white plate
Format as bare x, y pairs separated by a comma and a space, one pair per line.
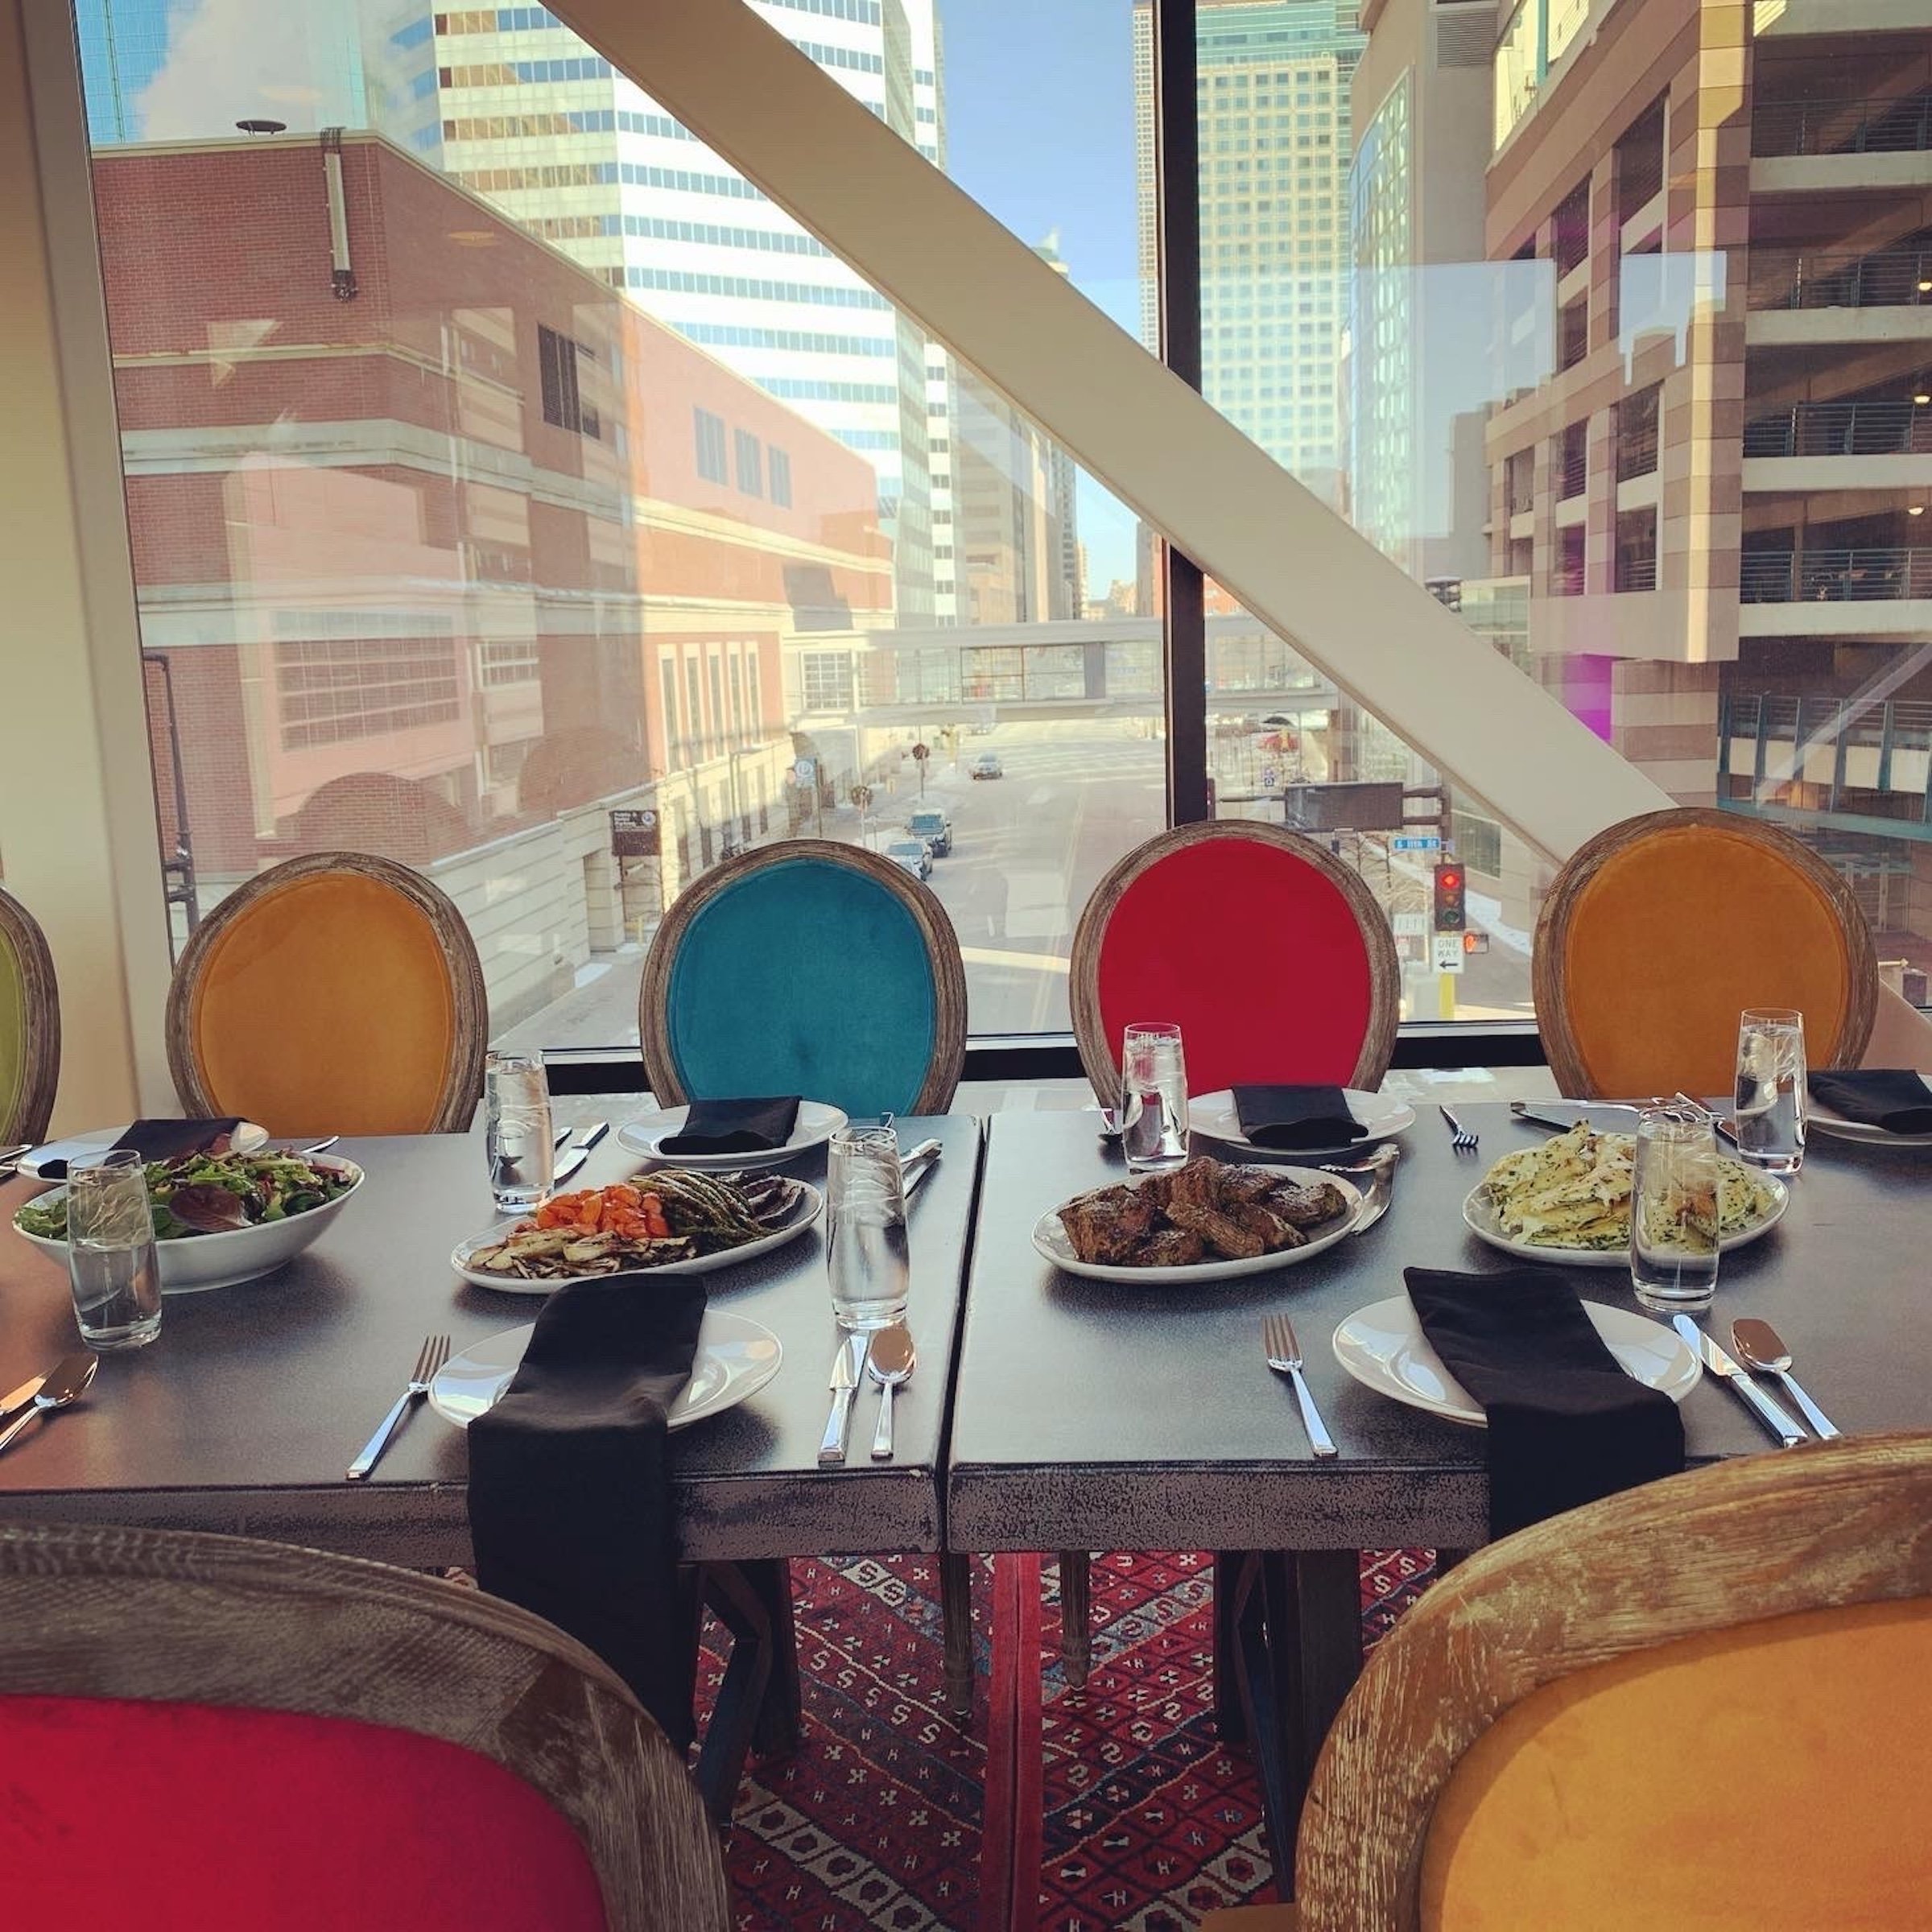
805, 1210
1480, 1217
736, 1358
192, 1262
247, 1138
1818, 1114
1381, 1115
1050, 1240
1383, 1347
816, 1124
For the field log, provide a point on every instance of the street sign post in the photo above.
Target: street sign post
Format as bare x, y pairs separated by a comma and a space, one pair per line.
803, 768
920, 753
1411, 925
1448, 952
1430, 841
633, 834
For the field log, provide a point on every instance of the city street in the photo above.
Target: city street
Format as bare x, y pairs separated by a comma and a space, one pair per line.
1028, 850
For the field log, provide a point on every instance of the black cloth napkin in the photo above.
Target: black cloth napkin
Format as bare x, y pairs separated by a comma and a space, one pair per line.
569, 1487
735, 1126
152, 1141
1288, 1117
1892, 1097
1567, 1425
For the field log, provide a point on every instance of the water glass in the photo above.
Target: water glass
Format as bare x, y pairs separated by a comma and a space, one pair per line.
1153, 1098
1770, 1103
111, 1260
521, 1144
1674, 1210
865, 1244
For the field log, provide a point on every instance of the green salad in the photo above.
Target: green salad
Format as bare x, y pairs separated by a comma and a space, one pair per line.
212, 1194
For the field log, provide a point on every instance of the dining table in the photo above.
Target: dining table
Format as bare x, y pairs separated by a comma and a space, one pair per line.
243, 1416
1094, 1415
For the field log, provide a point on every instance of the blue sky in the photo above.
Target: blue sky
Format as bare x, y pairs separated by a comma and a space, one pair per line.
1039, 124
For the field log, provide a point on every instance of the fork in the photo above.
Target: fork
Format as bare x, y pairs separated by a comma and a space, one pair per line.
1285, 1356
1460, 1138
435, 1353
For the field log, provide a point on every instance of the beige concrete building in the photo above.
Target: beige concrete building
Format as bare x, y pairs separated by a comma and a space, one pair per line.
1713, 487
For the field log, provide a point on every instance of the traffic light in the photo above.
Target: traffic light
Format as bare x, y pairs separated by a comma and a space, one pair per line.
1451, 915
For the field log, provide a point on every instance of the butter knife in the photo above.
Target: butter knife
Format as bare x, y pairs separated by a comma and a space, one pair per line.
1719, 1364
916, 1164
845, 1367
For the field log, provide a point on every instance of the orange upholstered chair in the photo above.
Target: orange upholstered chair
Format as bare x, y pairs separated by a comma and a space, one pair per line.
233, 1733
337, 993
1706, 1702
1271, 954
1661, 930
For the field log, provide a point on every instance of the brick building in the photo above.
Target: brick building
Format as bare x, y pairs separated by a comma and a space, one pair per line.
444, 549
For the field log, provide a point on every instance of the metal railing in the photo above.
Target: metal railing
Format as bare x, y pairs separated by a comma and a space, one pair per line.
1872, 426
1636, 449
1519, 488
1887, 278
1573, 466
1845, 126
1869, 574
1637, 573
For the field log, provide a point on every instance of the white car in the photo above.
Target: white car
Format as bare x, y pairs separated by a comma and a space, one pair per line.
914, 854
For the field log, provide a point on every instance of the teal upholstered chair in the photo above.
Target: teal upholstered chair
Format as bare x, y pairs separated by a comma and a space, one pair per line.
822, 970
806, 968
30, 1026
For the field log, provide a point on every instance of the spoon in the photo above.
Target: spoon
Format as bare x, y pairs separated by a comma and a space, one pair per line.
67, 1383
889, 1363
1760, 1345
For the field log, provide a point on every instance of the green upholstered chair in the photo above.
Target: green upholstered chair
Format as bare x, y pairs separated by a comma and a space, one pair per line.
30, 1026
806, 968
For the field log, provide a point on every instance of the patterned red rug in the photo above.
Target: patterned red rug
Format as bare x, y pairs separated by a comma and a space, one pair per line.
875, 1821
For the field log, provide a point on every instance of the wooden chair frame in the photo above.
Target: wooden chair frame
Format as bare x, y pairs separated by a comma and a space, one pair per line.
1100, 1056
180, 1616
1560, 1044
40, 994
463, 1078
935, 928
1766, 1536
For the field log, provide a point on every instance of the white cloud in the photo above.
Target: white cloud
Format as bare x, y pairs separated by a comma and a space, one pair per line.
230, 61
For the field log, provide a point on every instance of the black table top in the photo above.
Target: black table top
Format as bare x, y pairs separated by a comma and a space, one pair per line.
1089, 1415
246, 1412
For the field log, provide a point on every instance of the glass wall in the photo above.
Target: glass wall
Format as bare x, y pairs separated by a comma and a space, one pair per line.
517, 491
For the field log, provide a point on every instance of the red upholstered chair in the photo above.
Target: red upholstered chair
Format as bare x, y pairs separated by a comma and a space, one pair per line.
1271, 954
204, 1732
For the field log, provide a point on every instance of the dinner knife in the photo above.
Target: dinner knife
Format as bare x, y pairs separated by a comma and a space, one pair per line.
845, 1367
916, 1164
13, 1404
1719, 1364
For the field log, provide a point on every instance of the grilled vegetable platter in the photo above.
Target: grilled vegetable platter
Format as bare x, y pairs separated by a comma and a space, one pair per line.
672, 1220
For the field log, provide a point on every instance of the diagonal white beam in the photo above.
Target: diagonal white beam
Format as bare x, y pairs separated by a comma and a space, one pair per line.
871, 198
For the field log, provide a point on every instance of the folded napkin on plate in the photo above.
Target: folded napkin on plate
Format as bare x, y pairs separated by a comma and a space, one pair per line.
569, 1490
1567, 1425
734, 1126
1892, 1097
1288, 1117
152, 1140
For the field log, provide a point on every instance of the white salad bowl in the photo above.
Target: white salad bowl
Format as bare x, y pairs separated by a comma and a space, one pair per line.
192, 1262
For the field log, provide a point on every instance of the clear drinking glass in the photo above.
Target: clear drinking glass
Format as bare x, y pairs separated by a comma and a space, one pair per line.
521, 1144
1153, 1098
865, 1245
1770, 1097
1674, 1210
111, 1260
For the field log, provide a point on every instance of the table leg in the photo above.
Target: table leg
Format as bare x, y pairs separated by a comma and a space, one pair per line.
741, 1698
1076, 1629
1233, 1580
1299, 1650
1014, 1828
956, 1618
780, 1717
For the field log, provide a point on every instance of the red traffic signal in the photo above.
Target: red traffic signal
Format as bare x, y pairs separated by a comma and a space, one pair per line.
1451, 913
